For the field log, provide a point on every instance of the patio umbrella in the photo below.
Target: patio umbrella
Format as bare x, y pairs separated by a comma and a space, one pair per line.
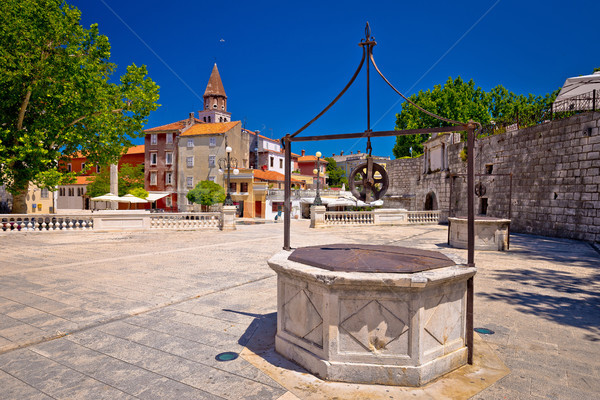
131, 199
106, 197
576, 86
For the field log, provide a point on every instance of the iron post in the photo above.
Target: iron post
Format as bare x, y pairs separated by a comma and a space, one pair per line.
318, 201
287, 191
470, 234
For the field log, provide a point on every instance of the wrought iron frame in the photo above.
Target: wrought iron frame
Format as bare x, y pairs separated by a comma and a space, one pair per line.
470, 127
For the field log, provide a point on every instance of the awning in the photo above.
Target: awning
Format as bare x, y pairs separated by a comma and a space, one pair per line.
129, 198
152, 197
579, 85
106, 197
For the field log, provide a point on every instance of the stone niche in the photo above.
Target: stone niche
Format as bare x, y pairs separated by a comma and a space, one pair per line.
490, 233
378, 328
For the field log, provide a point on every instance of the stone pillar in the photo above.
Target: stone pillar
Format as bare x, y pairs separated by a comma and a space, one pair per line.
317, 216
228, 218
114, 184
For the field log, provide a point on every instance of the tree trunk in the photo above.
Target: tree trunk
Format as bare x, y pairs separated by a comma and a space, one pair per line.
19, 204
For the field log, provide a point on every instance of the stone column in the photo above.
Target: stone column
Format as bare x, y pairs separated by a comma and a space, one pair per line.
317, 216
228, 218
114, 184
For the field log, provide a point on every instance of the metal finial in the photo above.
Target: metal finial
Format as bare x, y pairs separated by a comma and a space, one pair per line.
367, 31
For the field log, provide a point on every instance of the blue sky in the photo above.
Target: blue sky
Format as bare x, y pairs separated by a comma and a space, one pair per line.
282, 62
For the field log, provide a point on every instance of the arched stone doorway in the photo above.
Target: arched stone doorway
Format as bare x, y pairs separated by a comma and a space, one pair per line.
430, 202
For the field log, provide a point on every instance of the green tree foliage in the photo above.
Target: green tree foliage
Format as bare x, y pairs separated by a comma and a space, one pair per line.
462, 101
206, 193
139, 192
596, 69
131, 177
337, 176
57, 95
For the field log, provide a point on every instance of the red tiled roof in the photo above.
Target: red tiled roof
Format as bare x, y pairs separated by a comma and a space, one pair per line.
173, 126
139, 149
259, 135
270, 176
311, 159
83, 180
207, 129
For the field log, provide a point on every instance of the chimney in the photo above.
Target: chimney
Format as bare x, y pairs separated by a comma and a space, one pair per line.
342, 153
303, 152
333, 155
191, 119
357, 151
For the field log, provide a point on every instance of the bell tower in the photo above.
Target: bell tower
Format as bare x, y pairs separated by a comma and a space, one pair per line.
215, 100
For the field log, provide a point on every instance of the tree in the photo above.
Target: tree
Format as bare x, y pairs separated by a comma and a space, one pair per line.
131, 177
139, 192
462, 101
337, 176
206, 193
58, 98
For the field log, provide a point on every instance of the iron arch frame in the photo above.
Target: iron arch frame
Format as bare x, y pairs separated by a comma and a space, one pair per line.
469, 127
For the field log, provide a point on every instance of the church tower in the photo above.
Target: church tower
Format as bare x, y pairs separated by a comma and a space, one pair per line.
215, 100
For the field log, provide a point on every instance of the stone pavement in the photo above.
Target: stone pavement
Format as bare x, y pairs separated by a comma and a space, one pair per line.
90, 315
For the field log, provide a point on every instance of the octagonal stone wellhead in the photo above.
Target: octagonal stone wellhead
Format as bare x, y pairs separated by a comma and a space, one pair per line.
371, 314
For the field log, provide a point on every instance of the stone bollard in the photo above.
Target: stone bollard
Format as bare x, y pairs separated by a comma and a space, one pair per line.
228, 218
317, 216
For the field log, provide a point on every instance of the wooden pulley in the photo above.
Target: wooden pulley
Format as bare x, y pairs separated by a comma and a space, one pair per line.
369, 181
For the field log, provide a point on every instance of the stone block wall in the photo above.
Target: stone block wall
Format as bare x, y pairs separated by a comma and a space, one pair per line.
555, 169
403, 174
555, 177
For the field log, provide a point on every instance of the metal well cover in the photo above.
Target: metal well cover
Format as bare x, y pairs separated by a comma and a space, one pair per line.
370, 258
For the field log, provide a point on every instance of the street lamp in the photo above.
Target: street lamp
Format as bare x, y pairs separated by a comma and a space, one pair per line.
317, 171
228, 163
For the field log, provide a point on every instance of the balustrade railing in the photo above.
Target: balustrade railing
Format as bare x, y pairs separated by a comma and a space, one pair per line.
423, 217
349, 218
45, 222
185, 220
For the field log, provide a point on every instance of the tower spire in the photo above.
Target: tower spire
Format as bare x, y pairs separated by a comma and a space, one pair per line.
215, 100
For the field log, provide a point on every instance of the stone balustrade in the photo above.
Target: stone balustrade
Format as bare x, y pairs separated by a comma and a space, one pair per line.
117, 221
206, 220
45, 222
320, 217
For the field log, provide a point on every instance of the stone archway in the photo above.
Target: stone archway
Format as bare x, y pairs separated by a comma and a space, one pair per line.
430, 202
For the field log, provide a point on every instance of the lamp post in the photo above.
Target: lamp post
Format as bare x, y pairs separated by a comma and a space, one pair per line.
228, 163
317, 172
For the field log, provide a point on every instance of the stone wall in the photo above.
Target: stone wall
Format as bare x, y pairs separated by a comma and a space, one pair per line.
555, 169
403, 175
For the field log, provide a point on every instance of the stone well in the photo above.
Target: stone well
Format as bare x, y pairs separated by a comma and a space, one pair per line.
490, 233
348, 318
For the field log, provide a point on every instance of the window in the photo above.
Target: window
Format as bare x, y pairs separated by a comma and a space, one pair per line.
232, 187
170, 138
244, 187
190, 181
211, 161
97, 169
280, 163
61, 191
211, 178
44, 193
69, 167
189, 161
83, 167
153, 178
71, 192
209, 118
190, 143
489, 168
168, 178
169, 201
153, 139
169, 158
212, 142
153, 158
272, 161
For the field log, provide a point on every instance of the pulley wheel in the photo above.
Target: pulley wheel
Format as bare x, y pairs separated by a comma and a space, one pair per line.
363, 184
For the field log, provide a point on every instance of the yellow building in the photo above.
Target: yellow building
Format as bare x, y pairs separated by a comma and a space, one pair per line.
39, 201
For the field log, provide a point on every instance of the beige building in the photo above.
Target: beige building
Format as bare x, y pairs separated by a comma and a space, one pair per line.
39, 201
201, 150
